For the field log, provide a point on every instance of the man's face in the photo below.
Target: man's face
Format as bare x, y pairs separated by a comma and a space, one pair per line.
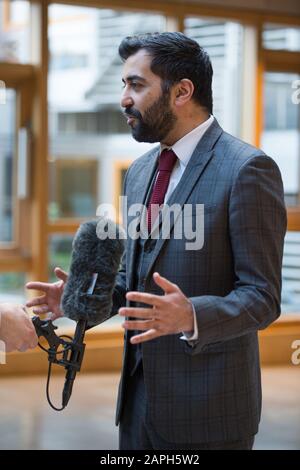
147, 108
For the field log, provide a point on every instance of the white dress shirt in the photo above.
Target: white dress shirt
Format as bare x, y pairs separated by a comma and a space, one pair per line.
184, 149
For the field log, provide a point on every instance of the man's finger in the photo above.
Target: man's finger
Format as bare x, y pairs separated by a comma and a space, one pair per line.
136, 312
36, 301
150, 334
145, 298
41, 310
43, 286
60, 274
166, 285
139, 325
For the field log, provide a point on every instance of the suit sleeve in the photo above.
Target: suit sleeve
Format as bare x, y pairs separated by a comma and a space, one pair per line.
119, 293
257, 225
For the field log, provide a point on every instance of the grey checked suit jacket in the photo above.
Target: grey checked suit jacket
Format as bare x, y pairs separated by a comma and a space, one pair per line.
210, 390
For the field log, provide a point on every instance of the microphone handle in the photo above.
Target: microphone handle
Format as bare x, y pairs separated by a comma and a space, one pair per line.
75, 360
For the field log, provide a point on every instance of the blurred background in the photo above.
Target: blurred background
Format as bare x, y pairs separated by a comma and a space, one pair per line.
64, 149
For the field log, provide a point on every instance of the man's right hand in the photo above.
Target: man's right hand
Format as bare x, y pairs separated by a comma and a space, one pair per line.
50, 301
16, 328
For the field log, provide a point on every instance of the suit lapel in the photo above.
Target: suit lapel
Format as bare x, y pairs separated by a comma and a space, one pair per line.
180, 195
141, 190
200, 158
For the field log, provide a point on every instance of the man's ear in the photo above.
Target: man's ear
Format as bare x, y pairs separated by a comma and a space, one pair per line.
183, 91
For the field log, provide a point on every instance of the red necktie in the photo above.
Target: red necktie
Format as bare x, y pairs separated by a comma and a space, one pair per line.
166, 164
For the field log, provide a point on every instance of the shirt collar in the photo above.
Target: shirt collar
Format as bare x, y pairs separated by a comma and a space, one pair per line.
185, 146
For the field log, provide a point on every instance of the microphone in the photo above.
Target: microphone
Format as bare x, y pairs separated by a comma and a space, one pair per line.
96, 253
87, 297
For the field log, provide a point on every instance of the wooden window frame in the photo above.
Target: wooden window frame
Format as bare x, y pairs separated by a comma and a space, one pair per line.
21, 78
32, 81
119, 167
175, 14
8, 24
279, 61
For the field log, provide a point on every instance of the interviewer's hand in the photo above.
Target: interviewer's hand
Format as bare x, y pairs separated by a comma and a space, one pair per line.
169, 314
50, 301
16, 328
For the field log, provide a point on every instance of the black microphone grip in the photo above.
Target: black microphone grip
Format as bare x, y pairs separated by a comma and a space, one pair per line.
75, 360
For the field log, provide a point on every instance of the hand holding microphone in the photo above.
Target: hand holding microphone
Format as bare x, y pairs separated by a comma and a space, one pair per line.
16, 329
97, 249
84, 296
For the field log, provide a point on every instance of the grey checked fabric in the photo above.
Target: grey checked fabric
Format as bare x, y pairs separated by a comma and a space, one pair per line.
210, 391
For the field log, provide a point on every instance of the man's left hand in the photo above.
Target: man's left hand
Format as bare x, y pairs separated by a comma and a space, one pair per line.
169, 314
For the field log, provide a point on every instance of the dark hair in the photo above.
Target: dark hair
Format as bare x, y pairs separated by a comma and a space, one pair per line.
174, 57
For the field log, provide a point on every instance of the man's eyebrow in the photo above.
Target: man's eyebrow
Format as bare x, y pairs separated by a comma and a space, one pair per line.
131, 78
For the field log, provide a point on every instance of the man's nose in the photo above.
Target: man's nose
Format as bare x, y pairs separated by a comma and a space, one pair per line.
126, 100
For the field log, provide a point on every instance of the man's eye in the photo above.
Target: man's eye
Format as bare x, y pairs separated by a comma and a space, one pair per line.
132, 85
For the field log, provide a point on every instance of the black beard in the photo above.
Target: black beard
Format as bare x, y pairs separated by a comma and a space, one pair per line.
157, 122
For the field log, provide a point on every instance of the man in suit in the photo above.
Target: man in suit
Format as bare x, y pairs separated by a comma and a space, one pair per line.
16, 329
191, 373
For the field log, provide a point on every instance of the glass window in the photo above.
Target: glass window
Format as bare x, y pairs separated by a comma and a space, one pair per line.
12, 287
7, 159
223, 41
281, 37
85, 118
60, 248
68, 61
281, 137
73, 188
14, 31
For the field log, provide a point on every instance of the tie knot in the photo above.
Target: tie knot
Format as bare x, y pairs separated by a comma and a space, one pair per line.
167, 160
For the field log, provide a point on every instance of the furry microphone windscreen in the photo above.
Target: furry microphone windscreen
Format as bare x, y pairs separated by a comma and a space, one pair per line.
97, 249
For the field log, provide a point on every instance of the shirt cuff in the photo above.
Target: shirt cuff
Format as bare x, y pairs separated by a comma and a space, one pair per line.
191, 336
